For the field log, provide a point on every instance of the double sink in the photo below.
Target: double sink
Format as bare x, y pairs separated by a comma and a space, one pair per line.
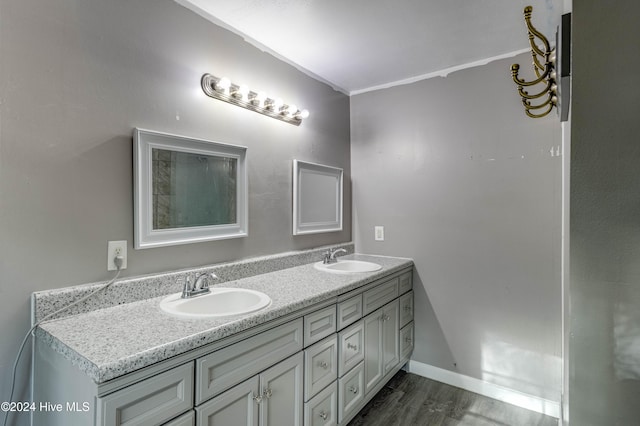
223, 302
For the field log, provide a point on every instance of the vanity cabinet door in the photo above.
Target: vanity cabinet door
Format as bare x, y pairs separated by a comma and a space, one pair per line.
281, 387
381, 349
236, 407
390, 337
372, 350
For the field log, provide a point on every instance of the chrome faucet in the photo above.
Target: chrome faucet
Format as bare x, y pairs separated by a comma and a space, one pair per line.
330, 255
200, 285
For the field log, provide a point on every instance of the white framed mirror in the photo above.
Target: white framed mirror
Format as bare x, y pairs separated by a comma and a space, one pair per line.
317, 198
187, 190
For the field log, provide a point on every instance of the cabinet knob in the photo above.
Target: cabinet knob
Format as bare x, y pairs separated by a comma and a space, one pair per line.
408, 339
267, 393
323, 364
257, 398
353, 389
323, 415
351, 346
407, 308
385, 317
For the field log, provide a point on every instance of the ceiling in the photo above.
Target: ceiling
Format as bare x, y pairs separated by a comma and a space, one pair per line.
362, 45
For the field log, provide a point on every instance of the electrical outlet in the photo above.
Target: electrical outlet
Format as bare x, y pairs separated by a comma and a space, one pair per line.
116, 248
379, 233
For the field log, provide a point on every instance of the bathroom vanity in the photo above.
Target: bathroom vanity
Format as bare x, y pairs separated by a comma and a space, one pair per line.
323, 348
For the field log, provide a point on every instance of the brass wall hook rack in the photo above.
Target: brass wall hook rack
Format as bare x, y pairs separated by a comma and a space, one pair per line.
544, 98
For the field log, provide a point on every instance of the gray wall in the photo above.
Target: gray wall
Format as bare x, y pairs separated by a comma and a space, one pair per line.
604, 292
470, 188
76, 77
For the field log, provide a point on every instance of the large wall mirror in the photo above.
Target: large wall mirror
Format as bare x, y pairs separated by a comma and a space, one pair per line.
187, 190
317, 198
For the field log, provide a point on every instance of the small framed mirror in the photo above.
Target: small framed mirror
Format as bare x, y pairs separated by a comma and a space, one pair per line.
187, 190
317, 198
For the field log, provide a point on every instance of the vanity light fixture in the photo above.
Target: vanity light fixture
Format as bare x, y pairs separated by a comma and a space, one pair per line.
221, 88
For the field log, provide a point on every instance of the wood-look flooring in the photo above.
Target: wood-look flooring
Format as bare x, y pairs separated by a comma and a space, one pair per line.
411, 400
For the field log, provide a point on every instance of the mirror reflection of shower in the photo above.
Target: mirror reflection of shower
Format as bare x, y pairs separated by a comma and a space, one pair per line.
192, 189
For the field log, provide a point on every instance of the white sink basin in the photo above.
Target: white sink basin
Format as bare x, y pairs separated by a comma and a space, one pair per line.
348, 267
220, 302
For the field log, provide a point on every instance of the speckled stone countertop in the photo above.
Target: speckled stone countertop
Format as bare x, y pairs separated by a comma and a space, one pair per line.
110, 342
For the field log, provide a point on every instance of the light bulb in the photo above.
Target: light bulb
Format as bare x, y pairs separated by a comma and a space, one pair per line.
243, 93
292, 110
277, 104
303, 114
223, 85
259, 99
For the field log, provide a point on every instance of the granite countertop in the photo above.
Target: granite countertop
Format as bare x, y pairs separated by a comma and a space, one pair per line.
110, 342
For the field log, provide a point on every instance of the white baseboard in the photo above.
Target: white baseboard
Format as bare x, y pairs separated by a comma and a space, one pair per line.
510, 396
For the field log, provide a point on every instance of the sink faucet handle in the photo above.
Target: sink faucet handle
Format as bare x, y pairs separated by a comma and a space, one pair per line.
186, 284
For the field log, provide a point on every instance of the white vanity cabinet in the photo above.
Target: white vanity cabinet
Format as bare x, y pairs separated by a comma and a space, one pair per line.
314, 367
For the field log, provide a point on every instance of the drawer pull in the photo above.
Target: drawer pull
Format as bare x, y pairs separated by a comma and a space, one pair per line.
323, 415
267, 393
323, 364
353, 389
407, 308
351, 346
257, 398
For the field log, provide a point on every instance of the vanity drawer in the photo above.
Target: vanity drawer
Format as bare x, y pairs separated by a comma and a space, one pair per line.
380, 295
350, 392
349, 311
322, 409
406, 342
406, 308
319, 325
405, 282
152, 401
320, 366
350, 347
229, 366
